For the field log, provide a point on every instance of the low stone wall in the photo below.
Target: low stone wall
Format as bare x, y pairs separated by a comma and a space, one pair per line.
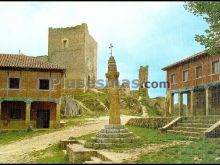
152, 122
213, 131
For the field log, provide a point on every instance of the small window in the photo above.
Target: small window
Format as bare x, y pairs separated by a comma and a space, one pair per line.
65, 43
198, 71
44, 84
215, 67
185, 75
15, 113
14, 83
172, 78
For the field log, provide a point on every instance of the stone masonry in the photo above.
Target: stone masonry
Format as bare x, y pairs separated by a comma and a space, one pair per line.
76, 49
143, 78
114, 133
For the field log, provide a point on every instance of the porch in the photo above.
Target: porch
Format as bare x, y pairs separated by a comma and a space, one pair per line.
22, 114
200, 101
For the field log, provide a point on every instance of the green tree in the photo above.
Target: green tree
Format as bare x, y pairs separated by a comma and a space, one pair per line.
210, 11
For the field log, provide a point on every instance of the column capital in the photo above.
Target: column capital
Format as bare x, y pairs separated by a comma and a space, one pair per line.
28, 101
58, 101
206, 86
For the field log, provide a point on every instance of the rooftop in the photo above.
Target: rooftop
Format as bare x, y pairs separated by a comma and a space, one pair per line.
186, 60
26, 62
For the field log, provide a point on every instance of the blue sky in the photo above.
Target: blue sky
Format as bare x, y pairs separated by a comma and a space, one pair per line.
143, 33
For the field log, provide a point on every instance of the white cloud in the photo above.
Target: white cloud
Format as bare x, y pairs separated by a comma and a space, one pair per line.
131, 26
25, 24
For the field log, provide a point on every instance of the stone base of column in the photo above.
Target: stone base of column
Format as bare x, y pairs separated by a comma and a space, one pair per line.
112, 135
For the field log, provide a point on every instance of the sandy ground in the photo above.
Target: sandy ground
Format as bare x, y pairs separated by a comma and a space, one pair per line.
18, 152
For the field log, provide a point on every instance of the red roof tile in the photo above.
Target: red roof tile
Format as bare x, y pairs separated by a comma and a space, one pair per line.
23, 61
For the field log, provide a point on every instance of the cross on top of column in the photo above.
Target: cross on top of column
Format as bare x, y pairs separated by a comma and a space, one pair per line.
110, 47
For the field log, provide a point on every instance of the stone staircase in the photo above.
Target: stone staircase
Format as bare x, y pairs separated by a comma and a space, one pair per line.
193, 126
111, 135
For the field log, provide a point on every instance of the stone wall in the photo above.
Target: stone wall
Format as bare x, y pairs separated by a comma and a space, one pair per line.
143, 78
78, 54
43, 58
156, 122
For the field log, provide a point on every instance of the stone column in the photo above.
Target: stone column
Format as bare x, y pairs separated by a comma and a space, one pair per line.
112, 76
27, 113
188, 112
192, 103
180, 103
58, 108
207, 100
170, 102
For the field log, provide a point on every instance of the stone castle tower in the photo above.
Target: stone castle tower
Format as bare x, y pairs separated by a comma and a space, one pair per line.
75, 49
143, 77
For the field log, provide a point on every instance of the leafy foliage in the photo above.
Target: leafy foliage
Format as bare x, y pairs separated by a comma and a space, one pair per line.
210, 11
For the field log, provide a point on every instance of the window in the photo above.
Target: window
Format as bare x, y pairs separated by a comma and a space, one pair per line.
14, 83
15, 113
198, 71
44, 84
65, 43
215, 67
185, 75
172, 78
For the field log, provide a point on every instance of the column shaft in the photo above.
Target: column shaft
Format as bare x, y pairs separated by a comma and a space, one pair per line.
27, 113
58, 107
192, 103
207, 100
180, 103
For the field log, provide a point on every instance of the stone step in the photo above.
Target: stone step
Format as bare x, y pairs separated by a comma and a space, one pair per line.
199, 121
96, 145
114, 135
203, 117
187, 133
202, 125
114, 126
190, 129
94, 160
114, 130
114, 140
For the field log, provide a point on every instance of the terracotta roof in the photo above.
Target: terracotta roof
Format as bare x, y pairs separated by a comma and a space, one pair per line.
23, 61
188, 59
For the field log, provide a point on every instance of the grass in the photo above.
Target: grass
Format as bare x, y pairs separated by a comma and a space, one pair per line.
86, 137
152, 111
129, 112
52, 154
149, 136
12, 136
8, 137
74, 121
201, 151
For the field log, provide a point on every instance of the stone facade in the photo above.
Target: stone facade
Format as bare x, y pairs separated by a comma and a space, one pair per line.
76, 49
143, 78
